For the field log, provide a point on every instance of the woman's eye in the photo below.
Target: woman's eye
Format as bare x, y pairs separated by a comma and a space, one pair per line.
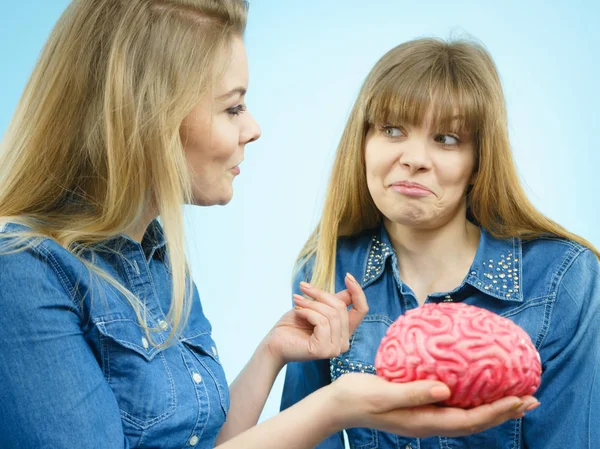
392, 131
447, 139
237, 110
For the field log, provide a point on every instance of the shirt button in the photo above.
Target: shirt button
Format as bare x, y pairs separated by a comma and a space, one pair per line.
193, 440
197, 378
163, 325
144, 342
214, 351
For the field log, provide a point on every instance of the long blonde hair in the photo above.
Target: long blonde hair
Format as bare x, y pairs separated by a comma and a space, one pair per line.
94, 142
405, 83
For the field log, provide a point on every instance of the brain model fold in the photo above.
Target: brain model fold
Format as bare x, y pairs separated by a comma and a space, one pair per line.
480, 355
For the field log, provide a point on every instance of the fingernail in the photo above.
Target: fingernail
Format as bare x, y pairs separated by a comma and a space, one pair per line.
439, 392
305, 285
532, 406
517, 405
299, 298
351, 278
298, 308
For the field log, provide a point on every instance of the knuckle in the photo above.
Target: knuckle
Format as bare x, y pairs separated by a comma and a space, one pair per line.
324, 354
340, 307
472, 428
333, 317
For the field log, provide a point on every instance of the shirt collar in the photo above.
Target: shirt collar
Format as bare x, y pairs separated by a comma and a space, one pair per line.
153, 243
380, 248
496, 269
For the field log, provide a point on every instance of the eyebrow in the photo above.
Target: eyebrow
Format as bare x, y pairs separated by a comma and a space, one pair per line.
238, 90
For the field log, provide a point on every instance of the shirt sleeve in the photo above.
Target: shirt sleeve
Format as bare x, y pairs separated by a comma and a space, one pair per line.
304, 378
570, 388
54, 394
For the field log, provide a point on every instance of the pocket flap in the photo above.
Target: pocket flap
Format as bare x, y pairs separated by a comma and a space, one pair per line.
203, 343
128, 333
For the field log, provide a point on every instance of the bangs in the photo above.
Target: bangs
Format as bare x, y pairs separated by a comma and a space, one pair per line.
436, 92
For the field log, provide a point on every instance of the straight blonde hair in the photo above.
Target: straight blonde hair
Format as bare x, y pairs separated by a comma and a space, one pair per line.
95, 142
407, 82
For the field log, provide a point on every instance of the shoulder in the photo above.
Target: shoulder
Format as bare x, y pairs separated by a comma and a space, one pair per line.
549, 249
557, 260
34, 264
569, 273
352, 251
351, 255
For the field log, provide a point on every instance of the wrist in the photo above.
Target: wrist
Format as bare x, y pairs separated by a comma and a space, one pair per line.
336, 412
269, 353
325, 415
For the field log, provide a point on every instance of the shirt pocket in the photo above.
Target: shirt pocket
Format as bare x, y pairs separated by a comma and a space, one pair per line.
205, 350
137, 372
360, 358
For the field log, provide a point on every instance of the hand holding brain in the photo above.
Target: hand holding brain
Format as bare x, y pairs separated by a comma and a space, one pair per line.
480, 355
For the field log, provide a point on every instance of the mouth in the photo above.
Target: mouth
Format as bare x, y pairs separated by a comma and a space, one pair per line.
412, 189
236, 169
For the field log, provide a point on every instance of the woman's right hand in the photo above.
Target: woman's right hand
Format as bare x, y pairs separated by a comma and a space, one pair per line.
366, 400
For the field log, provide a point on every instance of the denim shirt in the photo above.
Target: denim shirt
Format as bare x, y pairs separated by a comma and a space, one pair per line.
76, 368
548, 286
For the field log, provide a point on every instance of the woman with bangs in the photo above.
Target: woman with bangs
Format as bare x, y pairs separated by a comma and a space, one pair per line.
424, 205
135, 108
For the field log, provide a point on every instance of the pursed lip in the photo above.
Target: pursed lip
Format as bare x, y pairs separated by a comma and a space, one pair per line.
411, 187
236, 168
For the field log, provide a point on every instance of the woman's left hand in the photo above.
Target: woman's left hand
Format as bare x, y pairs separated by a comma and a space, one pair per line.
319, 328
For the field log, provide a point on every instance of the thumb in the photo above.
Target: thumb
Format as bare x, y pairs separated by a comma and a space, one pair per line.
411, 394
360, 307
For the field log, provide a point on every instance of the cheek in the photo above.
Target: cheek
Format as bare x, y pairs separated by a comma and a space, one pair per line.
456, 172
378, 163
196, 158
372, 172
212, 157
224, 144
196, 145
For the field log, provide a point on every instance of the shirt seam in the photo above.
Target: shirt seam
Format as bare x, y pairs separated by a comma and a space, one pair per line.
62, 276
555, 285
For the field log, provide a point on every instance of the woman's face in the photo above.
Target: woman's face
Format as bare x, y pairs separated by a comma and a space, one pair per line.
418, 176
216, 132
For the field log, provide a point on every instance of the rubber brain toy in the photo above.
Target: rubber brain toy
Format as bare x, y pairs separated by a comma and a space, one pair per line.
480, 355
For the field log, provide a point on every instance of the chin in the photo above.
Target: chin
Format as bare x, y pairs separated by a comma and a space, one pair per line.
223, 202
220, 199
411, 218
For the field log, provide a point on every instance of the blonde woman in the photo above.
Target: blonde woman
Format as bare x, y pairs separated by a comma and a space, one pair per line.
135, 108
424, 205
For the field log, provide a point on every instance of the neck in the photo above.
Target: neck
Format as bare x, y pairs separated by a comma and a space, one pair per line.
138, 230
434, 260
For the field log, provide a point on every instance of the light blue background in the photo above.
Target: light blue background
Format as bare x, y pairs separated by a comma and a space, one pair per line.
307, 61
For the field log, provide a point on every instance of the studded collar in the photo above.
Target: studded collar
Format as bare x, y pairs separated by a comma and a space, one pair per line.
496, 269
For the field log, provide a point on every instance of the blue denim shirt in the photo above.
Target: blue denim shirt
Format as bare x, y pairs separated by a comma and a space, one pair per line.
76, 369
548, 286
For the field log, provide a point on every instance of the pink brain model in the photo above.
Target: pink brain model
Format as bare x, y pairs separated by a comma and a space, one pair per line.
481, 356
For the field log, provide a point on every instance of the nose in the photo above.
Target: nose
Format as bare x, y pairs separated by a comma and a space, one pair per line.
415, 155
251, 130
